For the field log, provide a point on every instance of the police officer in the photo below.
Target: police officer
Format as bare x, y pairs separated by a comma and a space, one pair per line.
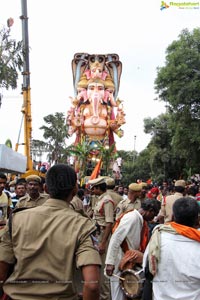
77, 201
104, 217
48, 243
33, 197
132, 202
110, 182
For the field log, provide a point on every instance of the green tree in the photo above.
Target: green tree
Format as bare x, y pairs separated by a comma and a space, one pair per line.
139, 168
39, 148
55, 134
128, 171
127, 156
81, 151
107, 154
142, 169
11, 59
160, 146
178, 84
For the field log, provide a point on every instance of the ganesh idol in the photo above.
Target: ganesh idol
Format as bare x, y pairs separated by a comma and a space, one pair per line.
95, 113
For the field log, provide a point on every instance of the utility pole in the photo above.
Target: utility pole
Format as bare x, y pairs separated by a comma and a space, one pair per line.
26, 108
134, 142
134, 145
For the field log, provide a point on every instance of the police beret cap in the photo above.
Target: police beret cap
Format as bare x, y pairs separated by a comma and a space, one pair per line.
33, 178
136, 187
110, 181
143, 184
180, 183
96, 181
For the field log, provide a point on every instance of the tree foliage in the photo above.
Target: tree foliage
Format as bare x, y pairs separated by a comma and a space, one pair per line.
81, 151
11, 59
55, 134
107, 154
39, 148
135, 166
178, 84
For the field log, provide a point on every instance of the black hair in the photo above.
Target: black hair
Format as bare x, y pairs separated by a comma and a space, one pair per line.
179, 189
42, 180
60, 180
151, 204
80, 193
21, 181
193, 190
185, 211
102, 186
3, 176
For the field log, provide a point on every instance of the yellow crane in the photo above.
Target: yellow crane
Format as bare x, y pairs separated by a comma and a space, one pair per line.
26, 108
26, 91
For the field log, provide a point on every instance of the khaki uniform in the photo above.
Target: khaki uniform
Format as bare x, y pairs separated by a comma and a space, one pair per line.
167, 204
93, 201
89, 209
76, 203
5, 202
103, 214
48, 243
26, 201
104, 210
115, 196
126, 205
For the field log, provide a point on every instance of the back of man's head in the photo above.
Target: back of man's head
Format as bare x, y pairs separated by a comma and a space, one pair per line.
179, 186
80, 193
179, 189
151, 204
61, 179
185, 211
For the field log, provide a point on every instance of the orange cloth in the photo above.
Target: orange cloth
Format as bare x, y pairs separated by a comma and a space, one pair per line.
144, 236
186, 231
96, 170
143, 241
119, 219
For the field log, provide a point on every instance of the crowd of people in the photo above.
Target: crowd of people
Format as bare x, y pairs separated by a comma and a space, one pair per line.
62, 241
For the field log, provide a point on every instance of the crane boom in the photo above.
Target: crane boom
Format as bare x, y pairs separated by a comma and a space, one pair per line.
26, 108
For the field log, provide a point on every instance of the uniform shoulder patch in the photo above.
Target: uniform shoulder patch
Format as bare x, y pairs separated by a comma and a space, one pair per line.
118, 210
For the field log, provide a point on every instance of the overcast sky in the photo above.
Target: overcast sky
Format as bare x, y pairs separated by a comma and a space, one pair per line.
138, 31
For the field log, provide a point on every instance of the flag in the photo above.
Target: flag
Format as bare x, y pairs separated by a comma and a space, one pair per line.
96, 170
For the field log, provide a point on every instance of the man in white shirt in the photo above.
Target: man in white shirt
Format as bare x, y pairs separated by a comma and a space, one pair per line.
174, 254
129, 232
